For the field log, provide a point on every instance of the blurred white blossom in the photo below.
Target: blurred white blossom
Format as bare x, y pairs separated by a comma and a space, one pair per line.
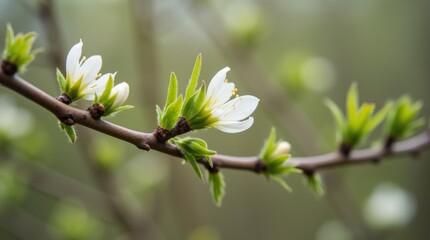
14, 121
389, 206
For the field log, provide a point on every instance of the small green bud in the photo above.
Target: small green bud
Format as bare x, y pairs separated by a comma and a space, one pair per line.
194, 149
274, 155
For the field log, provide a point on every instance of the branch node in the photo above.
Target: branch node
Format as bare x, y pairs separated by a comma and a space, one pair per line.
9, 68
67, 119
64, 98
345, 149
259, 167
96, 110
211, 169
309, 172
144, 146
389, 141
163, 135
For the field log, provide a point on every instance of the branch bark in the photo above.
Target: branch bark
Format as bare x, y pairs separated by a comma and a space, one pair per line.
147, 141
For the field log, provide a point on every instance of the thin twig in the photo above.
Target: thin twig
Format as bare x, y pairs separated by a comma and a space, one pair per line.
148, 141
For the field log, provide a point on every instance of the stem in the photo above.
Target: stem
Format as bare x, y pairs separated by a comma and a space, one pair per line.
147, 141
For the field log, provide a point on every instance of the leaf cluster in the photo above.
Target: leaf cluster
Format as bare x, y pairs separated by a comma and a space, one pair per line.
359, 120
168, 116
402, 121
193, 150
18, 49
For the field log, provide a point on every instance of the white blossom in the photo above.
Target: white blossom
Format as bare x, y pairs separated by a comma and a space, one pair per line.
81, 74
230, 116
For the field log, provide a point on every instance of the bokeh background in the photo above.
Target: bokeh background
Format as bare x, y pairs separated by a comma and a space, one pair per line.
291, 54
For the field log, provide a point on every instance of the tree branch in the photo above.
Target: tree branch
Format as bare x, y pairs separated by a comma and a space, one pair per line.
147, 141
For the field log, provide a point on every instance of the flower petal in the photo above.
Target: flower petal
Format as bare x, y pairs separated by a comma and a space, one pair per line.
221, 95
219, 78
122, 90
234, 126
72, 62
237, 109
90, 68
97, 86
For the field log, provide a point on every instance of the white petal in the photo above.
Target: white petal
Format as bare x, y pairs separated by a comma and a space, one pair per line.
90, 68
123, 90
219, 78
72, 62
221, 95
234, 126
237, 109
98, 86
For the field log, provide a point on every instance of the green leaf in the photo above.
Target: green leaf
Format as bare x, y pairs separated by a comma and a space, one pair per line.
194, 77
337, 115
315, 184
172, 92
379, 117
267, 149
358, 124
193, 162
106, 93
69, 131
61, 80
281, 182
195, 103
217, 187
171, 114
352, 101
159, 114
113, 112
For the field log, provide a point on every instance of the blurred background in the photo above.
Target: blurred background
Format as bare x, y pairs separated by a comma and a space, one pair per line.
291, 54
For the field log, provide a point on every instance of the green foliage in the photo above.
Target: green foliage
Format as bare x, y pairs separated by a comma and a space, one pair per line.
70, 132
193, 150
192, 84
274, 158
403, 120
168, 117
315, 184
359, 121
217, 187
194, 104
72, 221
18, 48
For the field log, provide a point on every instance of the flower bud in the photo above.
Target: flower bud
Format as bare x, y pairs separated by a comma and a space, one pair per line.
282, 149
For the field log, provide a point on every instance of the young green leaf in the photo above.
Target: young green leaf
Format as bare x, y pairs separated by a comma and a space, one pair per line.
171, 114
172, 92
193, 162
194, 77
282, 182
69, 131
61, 80
315, 184
352, 101
217, 187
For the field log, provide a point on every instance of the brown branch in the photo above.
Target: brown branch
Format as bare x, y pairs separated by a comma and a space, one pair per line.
147, 141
